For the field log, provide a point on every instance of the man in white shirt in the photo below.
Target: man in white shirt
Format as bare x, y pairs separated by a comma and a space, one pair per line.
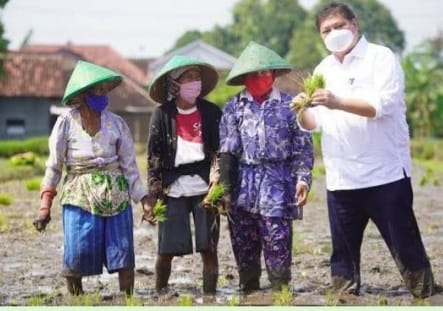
361, 114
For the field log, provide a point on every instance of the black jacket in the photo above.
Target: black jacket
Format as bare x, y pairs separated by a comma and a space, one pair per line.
162, 146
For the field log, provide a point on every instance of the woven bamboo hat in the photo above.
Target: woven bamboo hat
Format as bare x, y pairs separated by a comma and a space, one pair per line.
256, 57
158, 88
87, 75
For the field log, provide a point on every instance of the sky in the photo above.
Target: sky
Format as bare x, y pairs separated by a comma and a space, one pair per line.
148, 28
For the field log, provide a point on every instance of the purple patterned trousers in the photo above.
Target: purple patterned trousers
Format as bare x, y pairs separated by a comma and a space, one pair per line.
252, 233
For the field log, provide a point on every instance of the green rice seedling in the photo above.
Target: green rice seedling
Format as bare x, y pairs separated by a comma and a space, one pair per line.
159, 210
234, 301
284, 297
213, 200
87, 299
216, 193
382, 301
309, 84
33, 184
186, 301
331, 298
35, 301
5, 199
422, 302
132, 301
26, 158
4, 223
40, 300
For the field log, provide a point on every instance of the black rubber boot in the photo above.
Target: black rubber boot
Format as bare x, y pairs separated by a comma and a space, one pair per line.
250, 280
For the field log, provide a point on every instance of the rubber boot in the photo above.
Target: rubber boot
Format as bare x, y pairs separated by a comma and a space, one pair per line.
126, 280
250, 280
279, 278
75, 286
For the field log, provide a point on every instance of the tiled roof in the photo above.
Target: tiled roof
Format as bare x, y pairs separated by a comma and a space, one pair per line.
102, 55
45, 74
35, 75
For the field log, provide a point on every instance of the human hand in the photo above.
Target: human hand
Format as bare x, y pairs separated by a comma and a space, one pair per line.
326, 98
43, 218
148, 214
301, 194
299, 102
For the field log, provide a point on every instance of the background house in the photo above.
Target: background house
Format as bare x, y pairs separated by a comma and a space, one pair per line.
221, 60
35, 80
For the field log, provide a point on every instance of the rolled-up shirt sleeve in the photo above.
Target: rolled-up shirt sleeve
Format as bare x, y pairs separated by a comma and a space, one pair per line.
57, 144
388, 92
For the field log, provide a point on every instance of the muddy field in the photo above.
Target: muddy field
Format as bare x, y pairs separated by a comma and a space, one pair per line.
31, 262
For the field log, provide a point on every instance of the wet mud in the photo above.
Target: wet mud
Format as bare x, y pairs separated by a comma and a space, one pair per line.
30, 263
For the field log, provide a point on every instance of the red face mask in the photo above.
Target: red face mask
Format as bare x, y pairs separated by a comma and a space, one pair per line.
259, 85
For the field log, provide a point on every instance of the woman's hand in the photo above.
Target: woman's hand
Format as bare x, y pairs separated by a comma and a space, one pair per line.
301, 194
43, 218
148, 214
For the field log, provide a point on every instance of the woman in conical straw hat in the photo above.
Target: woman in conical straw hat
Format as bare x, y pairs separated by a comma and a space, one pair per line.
266, 161
182, 146
96, 148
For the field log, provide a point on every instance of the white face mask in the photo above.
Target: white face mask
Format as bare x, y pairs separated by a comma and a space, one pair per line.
338, 40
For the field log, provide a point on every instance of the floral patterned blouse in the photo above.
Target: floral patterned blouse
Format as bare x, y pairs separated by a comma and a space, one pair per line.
102, 174
273, 152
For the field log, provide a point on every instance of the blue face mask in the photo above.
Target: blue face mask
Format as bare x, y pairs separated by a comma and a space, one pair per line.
96, 102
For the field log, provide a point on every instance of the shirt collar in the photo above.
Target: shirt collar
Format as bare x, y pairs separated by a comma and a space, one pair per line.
274, 95
358, 51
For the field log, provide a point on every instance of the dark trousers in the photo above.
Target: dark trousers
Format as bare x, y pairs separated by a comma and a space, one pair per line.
389, 206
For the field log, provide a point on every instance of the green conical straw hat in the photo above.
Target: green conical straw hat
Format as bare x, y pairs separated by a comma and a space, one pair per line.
256, 57
158, 87
87, 75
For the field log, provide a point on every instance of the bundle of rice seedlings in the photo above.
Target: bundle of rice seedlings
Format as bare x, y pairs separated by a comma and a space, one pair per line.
214, 200
159, 210
310, 84
215, 193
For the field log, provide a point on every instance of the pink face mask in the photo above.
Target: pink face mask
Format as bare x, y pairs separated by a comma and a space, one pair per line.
190, 91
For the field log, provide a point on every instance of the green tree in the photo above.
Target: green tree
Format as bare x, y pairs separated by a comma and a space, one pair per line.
375, 21
186, 38
269, 22
3, 42
423, 69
